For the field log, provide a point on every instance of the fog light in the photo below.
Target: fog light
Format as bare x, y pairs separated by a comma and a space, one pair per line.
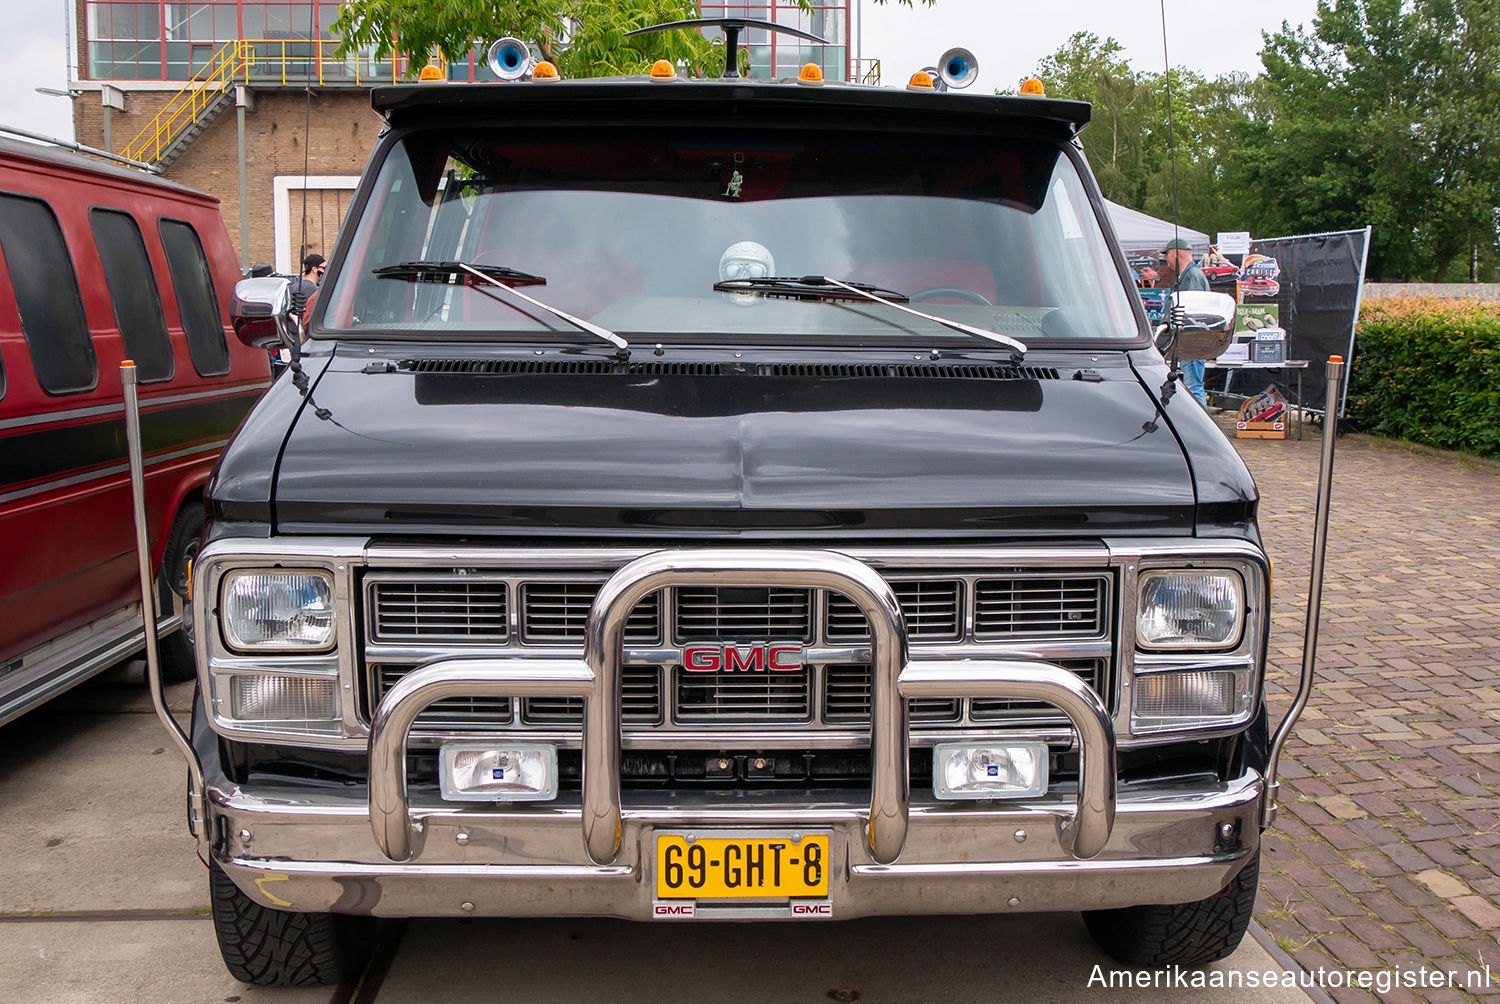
1194, 698
479, 773
261, 697
1014, 770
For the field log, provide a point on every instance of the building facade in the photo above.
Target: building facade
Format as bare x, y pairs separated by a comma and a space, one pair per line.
248, 101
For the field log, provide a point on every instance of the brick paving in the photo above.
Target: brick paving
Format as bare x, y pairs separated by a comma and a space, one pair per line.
1387, 851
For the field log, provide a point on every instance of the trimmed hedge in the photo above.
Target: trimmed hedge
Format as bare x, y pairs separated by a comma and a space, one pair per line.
1427, 370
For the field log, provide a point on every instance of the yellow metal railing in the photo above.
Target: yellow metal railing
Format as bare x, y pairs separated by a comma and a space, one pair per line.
292, 62
188, 105
264, 62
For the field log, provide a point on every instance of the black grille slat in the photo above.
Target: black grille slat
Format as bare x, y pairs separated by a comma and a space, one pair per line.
461, 712
846, 698
605, 367
557, 613
1050, 605
640, 701
453, 610
715, 697
932, 608
730, 613
997, 709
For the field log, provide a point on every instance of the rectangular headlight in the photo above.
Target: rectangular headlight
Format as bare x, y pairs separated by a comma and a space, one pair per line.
999, 770
1189, 609
274, 610
1191, 698
510, 772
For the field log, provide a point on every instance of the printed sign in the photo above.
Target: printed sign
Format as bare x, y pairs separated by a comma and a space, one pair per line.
1234, 242
1249, 317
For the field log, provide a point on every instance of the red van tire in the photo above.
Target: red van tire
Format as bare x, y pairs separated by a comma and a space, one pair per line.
178, 659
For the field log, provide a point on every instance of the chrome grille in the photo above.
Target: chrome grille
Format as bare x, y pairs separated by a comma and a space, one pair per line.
932, 608
1039, 605
458, 609
725, 614
1058, 614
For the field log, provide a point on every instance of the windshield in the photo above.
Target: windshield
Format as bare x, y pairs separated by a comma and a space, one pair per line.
632, 228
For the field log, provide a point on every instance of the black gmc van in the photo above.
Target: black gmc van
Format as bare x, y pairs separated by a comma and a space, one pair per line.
728, 500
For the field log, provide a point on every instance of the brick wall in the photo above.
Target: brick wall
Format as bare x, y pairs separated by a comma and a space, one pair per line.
334, 135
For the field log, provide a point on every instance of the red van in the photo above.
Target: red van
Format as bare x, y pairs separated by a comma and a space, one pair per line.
98, 264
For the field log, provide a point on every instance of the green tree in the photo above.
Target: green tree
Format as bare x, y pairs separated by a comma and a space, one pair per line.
1387, 113
595, 30
1087, 69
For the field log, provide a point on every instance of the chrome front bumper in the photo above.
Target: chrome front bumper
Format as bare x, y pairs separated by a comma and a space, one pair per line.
387, 853
287, 851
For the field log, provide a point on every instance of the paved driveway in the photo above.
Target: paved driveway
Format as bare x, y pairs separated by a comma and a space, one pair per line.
1387, 853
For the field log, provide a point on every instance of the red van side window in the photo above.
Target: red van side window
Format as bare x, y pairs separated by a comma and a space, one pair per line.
47, 298
132, 290
196, 303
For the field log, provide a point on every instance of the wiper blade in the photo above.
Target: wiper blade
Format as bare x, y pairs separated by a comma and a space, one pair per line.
444, 269
622, 347
808, 287
824, 287
1017, 347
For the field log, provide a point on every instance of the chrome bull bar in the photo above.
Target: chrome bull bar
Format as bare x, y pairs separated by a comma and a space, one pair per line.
596, 679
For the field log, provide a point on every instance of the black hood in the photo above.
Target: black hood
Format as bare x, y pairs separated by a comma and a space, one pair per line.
392, 443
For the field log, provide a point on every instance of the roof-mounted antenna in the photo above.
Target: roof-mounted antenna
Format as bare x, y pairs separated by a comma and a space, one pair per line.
731, 26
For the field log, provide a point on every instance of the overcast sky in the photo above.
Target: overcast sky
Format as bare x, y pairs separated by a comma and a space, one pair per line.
1009, 37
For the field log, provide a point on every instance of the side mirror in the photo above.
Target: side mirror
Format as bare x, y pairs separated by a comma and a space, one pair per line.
1207, 326
262, 313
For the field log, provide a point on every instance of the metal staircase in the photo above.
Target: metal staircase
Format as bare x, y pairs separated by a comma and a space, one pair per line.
193, 109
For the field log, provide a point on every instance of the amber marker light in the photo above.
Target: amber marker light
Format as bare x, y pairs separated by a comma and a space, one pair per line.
1034, 86
544, 72
920, 81
811, 74
663, 69
430, 73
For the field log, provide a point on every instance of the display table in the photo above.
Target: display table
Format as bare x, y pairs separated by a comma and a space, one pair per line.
1297, 365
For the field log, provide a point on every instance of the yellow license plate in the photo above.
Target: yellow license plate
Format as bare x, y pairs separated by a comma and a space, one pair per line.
741, 867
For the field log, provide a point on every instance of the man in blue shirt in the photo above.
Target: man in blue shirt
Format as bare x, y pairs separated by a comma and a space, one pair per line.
1180, 271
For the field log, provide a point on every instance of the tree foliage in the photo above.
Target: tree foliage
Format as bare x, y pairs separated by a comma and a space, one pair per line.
594, 30
1383, 112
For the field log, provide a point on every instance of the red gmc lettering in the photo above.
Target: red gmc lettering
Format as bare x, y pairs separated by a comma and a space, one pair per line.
745, 660
753, 657
673, 909
702, 659
785, 658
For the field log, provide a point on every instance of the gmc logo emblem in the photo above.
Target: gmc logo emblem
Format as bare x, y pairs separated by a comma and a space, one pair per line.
812, 909
749, 657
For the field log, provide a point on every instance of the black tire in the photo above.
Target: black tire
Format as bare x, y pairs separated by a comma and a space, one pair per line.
268, 947
178, 661
1187, 934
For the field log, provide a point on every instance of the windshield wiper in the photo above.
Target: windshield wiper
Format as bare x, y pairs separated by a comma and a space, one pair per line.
807, 287
444, 269
824, 287
505, 278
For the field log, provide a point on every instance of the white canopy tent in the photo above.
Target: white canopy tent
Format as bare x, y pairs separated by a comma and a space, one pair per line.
1140, 232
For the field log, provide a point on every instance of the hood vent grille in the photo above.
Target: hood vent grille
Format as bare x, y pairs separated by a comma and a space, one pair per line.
606, 367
